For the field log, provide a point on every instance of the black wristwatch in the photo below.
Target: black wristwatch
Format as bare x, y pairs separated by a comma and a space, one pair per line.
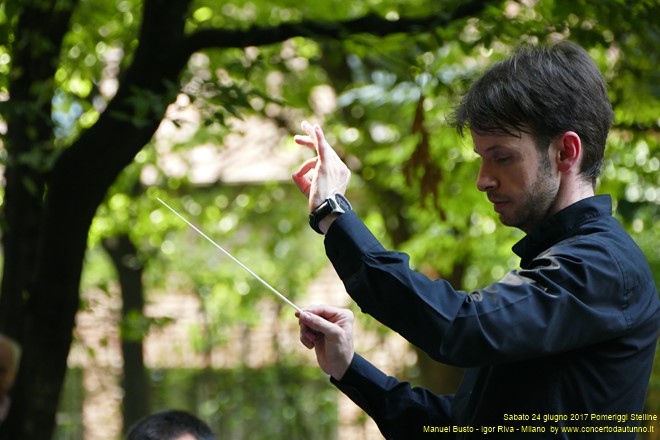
335, 204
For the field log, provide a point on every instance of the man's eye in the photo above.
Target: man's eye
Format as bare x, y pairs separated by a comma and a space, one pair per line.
502, 159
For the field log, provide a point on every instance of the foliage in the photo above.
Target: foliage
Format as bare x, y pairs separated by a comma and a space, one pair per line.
414, 177
278, 401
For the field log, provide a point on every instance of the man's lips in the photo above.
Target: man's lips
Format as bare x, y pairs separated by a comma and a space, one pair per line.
498, 203
499, 206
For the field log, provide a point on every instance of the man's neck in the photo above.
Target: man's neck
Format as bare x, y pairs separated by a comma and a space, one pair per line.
567, 195
571, 191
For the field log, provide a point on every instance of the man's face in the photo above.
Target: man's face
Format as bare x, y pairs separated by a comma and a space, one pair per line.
520, 183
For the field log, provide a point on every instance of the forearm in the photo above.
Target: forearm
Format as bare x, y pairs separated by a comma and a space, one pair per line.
400, 410
503, 321
384, 286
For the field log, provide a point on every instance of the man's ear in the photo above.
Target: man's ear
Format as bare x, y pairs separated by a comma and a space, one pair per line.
569, 151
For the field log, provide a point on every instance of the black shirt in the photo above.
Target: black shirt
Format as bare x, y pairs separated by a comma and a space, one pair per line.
565, 342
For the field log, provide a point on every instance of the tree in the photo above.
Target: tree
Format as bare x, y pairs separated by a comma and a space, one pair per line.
129, 269
52, 190
67, 140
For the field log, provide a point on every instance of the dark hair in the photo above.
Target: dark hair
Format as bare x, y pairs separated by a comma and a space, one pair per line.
544, 91
168, 425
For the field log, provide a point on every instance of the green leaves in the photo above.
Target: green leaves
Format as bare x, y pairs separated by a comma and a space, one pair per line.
384, 103
136, 326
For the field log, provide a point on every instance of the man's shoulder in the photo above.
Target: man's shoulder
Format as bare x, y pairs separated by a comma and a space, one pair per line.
604, 259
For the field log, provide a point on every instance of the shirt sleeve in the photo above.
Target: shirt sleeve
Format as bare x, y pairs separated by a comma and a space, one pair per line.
400, 410
554, 305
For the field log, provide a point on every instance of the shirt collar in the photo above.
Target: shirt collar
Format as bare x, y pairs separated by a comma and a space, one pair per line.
560, 226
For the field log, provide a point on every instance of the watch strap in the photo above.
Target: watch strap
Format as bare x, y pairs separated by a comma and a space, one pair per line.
336, 203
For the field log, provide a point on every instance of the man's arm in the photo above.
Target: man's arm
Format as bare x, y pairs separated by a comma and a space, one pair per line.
551, 306
528, 313
399, 410
514, 318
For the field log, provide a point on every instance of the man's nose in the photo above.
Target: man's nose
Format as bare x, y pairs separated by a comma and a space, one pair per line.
485, 180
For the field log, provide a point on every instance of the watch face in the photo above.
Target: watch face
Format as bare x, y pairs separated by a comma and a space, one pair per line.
342, 202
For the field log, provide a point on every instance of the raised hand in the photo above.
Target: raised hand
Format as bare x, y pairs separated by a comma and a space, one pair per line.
323, 175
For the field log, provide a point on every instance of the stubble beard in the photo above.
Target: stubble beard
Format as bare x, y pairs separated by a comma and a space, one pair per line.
537, 203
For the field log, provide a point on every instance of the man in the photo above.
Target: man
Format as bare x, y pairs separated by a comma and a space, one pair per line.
565, 342
10, 354
170, 425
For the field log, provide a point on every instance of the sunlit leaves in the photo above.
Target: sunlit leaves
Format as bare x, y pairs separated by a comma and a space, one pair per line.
387, 79
202, 14
378, 82
100, 40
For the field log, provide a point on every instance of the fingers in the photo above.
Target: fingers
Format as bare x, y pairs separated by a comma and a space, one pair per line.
329, 330
315, 139
308, 337
309, 129
322, 145
318, 323
305, 141
310, 140
323, 175
300, 177
330, 313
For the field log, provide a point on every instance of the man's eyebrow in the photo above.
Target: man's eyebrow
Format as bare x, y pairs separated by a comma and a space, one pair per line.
489, 148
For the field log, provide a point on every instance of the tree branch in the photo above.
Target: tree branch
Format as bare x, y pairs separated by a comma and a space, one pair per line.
369, 24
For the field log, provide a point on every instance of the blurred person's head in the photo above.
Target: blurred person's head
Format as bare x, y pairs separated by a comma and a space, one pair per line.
10, 354
170, 425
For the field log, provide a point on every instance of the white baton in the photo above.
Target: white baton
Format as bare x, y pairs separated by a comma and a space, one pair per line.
271, 288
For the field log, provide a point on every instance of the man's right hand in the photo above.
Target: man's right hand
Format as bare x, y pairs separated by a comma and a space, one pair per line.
329, 331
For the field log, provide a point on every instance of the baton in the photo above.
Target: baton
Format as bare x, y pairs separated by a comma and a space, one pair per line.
271, 288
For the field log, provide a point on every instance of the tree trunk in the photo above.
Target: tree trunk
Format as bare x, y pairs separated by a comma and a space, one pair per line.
29, 153
49, 208
45, 244
129, 268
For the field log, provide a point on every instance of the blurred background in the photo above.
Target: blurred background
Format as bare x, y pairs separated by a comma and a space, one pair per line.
122, 310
